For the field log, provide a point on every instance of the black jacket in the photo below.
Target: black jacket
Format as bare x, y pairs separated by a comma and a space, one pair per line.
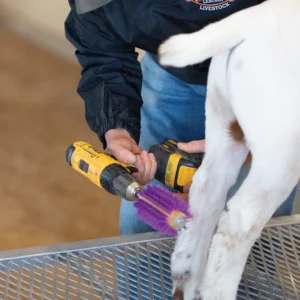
105, 41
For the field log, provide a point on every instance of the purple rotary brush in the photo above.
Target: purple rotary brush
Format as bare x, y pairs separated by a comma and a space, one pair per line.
162, 210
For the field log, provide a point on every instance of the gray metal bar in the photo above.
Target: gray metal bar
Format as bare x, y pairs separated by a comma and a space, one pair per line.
82, 245
138, 266
109, 242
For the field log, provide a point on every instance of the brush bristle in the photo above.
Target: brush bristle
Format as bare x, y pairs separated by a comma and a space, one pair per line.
166, 201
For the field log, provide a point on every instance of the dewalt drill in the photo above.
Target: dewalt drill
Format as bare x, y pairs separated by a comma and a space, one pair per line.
103, 170
175, 168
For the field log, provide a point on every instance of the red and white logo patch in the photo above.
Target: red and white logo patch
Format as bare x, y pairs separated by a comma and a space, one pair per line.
212, 5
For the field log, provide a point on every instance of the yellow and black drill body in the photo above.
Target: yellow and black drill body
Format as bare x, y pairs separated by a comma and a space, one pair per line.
103, 170
175, 168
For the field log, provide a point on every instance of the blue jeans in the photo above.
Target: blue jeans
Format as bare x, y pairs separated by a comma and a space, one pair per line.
171, 109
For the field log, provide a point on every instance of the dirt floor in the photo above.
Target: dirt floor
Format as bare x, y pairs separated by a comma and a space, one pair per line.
43, 201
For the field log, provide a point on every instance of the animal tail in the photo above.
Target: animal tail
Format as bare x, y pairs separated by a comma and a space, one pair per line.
188, 49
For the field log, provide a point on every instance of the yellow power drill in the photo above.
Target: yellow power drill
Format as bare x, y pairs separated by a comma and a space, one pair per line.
103, 170
175, 168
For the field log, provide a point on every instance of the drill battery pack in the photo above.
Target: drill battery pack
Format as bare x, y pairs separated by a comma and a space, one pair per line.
175, 168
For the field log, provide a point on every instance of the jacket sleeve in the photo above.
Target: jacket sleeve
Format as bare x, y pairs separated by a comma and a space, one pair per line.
111, 78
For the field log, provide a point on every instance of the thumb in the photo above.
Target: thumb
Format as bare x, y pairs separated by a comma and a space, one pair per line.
123, 153
126, 156
136, 149
192, 147
130, 154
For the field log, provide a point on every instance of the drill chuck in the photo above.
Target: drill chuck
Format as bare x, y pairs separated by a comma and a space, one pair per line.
126, 186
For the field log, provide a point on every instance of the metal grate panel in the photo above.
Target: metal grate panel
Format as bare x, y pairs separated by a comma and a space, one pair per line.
137, 267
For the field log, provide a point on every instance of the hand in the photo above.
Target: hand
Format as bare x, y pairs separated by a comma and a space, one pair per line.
146, 164
185, 195
191, 147
121, 145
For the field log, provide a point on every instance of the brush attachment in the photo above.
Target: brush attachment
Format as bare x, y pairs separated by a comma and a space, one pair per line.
162, 210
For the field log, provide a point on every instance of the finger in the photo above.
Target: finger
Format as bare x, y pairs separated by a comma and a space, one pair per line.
130, 144
153, 166
135, 148
192, 147
147, 166
123, 149
123, 154
137, 175
183, 196
139, 165
187, 187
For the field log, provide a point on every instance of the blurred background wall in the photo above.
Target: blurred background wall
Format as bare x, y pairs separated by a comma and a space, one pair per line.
47, 15
39, 20
42, 200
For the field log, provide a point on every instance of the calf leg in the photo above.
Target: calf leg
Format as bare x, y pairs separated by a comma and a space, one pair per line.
263, 191
219, 170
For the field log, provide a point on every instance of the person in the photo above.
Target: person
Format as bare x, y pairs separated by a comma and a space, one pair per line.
132, 105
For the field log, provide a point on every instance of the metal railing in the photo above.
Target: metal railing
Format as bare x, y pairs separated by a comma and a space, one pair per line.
138, 267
